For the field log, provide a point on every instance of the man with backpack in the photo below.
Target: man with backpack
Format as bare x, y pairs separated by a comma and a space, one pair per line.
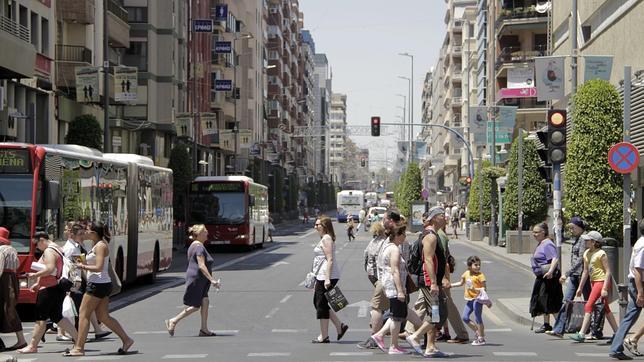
433, 276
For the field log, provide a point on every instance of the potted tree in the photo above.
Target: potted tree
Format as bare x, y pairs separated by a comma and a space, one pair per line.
486, 177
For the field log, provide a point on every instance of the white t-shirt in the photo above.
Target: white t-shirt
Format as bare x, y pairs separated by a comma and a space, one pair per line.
319, 258
71, 248
637, 258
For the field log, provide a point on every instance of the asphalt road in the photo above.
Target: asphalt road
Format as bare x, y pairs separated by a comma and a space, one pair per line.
263, 313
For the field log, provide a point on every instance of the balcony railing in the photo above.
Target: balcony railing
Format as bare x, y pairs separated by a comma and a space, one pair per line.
73, 53
516, 55
9, 26
116, 9
518, 13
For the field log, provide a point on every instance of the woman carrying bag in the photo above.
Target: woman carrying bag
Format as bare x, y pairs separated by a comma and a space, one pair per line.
327, 276
546, 292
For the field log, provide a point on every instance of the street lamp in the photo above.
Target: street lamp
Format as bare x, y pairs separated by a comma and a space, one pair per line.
404, 107
410, 116
235, 94
411, 100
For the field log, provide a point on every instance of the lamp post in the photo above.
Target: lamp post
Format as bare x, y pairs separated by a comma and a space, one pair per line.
404, 107
410, 125
235, 95
411, 101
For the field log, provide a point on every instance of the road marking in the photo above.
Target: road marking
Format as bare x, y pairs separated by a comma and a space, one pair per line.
90, 358
346, 354
285, 299
515, 354
151, 332
270, 354
301, 284
490, 315
289, 330
210, 306
363, 307
308, 234
279, 263
271, 314
242, 258
498, 330
580, 354
361, 330
184, 356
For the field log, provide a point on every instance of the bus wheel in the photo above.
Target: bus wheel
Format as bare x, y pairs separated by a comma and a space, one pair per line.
152, 277
119, 267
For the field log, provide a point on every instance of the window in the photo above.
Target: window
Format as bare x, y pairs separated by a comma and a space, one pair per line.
137, 14
44, 36
137, 55
34, 30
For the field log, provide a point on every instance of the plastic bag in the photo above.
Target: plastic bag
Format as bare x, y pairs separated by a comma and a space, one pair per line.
69, 308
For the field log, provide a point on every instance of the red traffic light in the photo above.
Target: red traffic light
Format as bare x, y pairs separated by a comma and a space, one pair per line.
468, 180
375, 126
557, 118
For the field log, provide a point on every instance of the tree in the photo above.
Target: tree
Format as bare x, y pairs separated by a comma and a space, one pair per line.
181, 165
85, 131
409, 189
488, 174
592, 189
534, 202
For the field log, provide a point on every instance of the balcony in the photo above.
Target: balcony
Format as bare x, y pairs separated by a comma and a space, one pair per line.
43, 65
514, 54
526, 105
519, 17
68, 57
76, 11
118, 27
18, 55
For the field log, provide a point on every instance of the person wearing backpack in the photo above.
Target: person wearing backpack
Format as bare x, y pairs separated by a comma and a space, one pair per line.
49, 301
432, 280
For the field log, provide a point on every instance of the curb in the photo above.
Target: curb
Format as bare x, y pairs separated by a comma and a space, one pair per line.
499, 256
515, 317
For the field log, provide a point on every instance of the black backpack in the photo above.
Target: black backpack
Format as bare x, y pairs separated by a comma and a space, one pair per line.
415, 263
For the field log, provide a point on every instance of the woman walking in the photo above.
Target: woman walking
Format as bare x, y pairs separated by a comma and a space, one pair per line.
350, 228
97, 292
199, 278
9, 290
596, 267
546, 292
326, 278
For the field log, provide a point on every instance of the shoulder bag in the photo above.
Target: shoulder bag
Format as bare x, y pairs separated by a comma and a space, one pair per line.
309, 280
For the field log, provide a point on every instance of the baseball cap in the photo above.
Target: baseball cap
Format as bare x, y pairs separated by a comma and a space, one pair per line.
592, 235
578, 221
436, 210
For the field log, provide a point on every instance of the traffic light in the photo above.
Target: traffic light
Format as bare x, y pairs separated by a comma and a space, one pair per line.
557, 136
375, 126
468, 180
363, 162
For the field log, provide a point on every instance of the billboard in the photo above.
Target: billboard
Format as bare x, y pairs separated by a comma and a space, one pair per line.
87, 89
125, 84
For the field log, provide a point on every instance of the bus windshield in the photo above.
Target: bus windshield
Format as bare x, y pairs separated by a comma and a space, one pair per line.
217, 208
15, 209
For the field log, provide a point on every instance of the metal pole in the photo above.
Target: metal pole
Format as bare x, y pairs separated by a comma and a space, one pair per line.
481, 192
556, 182
106, 81
520, 191
574, 46
627, 177
195, 162
411, 111
493, 240
236, 124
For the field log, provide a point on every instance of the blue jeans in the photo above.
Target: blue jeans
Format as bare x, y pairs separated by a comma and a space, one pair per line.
572, 283
632, 313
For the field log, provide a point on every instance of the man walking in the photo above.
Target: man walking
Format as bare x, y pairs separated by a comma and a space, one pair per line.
636, 301
435, 277
573, 275
453, 315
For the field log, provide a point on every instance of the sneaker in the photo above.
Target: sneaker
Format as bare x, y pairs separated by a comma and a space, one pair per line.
380, 342
368, 344
579, 337
544, 328
632, 347
415, 345
620, 356
435, 354
479, 342
458, 340
396, 350
63, 339
590, 337
443, 337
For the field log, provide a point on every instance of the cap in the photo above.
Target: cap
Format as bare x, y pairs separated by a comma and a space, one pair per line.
592, 235
578, 221
436, 210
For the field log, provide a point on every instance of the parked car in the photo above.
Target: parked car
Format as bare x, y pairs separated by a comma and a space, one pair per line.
374, 214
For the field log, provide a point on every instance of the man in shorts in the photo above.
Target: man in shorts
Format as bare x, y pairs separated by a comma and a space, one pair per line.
435, 278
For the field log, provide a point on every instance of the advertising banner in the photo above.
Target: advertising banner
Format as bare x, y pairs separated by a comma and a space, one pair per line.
125, 84
184, 125
227, 140
478, 123
521, 77
245, 138
506, 116
208, 123
421, 150
87, 84
550, 78
597, 67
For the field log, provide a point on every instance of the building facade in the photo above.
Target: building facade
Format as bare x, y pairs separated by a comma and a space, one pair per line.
337, 136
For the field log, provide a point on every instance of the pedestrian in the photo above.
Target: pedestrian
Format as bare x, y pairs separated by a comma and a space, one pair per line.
455, 217
572, 276
270, 228
475, 282
597, 269
97, 292
350, 228
635, 302
362, 219
453, 315
199, 278
49, 301
431, 284
546, 292
393, 275
328, 275
9, 291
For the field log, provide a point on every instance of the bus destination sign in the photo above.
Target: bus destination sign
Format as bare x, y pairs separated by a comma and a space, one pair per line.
218, 187
14, 161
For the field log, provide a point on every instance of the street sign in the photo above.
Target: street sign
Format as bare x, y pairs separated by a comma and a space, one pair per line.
623, 157
202, 25
223, 85
223, 47
221, 12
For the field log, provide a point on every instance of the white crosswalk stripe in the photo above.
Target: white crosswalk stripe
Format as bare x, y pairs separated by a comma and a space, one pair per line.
184, 356
515, 354
270, 354
351, 354
94, 358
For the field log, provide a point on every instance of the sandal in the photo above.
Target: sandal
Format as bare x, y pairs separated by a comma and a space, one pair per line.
27, 350
203, 333
343, 329
102, 335
126, 349
15, 347
167, 326
73, 353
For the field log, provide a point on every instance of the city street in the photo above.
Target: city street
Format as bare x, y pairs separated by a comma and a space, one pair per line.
264, 313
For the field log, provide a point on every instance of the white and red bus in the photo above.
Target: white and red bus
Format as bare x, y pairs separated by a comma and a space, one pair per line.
46, 186
233, 208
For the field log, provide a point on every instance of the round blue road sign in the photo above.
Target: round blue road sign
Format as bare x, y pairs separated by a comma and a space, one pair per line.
623, 157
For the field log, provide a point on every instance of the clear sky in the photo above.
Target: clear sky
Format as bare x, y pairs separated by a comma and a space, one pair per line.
362, 39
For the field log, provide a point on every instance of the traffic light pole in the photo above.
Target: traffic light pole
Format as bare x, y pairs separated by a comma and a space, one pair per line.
558, 223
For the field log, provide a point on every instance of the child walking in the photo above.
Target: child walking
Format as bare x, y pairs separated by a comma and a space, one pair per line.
474, 282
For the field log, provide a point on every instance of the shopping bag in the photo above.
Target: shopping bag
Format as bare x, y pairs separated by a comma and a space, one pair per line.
69, 308
597, 318
574, 316
336, 299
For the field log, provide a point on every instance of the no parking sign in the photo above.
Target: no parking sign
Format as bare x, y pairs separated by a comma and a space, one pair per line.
623, 157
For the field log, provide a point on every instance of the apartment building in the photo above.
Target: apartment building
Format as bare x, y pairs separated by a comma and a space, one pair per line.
27, 107
309, 166
322, 97
337, 136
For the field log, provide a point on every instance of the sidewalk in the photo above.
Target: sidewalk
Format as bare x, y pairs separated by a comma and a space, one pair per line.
518, 308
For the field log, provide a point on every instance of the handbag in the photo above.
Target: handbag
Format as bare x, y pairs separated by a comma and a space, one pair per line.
410, 285
116, 282
69, 308
574, 316
309, 280
484, 299
336, 299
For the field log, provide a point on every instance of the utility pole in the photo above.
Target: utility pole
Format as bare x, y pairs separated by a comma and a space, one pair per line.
520, 190
106, 82
195, 162
626, 186
491, 105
